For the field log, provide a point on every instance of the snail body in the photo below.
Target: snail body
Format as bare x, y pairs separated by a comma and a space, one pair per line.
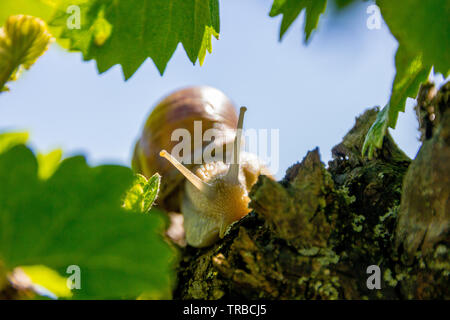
211, 194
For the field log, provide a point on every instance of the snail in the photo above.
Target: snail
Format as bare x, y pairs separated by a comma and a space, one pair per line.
211, 194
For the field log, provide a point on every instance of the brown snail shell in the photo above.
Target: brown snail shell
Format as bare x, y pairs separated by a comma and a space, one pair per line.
179, 110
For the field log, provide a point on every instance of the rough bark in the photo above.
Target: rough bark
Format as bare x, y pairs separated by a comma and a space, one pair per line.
313, 234
422, 234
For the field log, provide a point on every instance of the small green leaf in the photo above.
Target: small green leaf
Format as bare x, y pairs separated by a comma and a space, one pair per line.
290, 9
23, 39
376, 133
143, 193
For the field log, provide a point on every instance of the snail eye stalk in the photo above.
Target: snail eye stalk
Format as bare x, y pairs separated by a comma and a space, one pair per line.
233, 173
196, 181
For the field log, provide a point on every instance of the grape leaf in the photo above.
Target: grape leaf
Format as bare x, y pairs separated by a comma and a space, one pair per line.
140, 29
421, 28
290, 9
75, 218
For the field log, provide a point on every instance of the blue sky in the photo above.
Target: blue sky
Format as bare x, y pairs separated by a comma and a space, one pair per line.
311, 93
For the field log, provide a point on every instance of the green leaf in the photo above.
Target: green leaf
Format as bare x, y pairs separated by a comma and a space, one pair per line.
11, 139
376, 133
407, 82
422, 29
23, 39
75, 218
134, 30
290, 9
143, 193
